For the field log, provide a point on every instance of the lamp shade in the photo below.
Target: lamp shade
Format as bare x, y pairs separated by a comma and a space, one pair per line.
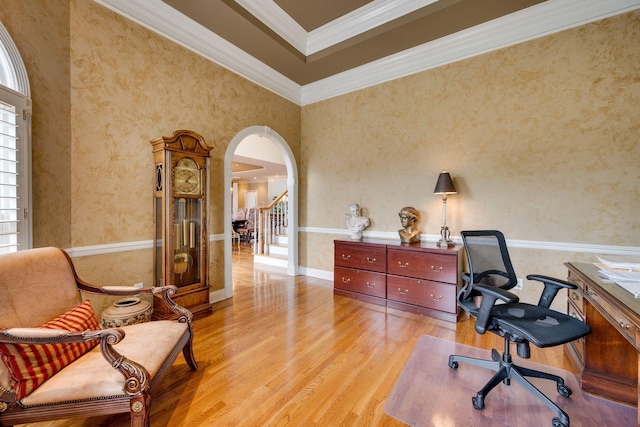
444, 184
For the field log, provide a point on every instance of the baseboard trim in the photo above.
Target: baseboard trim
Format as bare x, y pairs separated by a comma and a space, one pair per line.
217, 296
316, 273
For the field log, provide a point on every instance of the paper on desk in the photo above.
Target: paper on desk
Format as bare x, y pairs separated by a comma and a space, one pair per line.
633, 287
620, 275
624, 262
628, 280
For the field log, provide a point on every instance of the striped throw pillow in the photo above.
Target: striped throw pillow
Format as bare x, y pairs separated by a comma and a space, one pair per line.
30, 365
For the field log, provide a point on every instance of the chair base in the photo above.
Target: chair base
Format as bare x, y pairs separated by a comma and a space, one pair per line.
506, 370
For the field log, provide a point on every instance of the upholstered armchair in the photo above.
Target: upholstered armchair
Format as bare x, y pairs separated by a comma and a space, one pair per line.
56, 360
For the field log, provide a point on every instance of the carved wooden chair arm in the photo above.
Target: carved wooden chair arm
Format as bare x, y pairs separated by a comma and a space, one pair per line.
136, 376
184, 315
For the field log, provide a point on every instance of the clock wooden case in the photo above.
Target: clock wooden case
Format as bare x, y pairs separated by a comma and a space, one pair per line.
180, 206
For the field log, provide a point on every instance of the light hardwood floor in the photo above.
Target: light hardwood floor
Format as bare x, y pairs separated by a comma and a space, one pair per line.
286, 351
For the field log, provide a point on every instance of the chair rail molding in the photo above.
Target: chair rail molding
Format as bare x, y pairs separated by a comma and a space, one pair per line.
525, 244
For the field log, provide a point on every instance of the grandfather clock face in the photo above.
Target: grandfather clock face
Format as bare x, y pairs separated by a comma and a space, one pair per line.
187, 177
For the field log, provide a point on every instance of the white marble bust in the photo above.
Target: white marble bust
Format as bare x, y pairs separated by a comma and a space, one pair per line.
356, 222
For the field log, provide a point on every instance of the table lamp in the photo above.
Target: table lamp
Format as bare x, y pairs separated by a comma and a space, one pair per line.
445, 186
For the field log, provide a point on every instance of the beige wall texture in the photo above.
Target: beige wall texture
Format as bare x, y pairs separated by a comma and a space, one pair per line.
41, 32
542, 140
262, 193
102, 88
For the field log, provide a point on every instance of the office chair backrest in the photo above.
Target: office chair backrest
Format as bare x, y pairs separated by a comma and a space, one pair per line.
489, 261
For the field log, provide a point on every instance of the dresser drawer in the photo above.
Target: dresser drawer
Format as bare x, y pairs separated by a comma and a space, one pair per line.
372, 258
363, 282
423, 265
425, 293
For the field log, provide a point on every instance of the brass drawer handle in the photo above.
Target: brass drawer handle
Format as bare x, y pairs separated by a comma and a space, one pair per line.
438, 298
405, 292
575, 296
345, 280
436, 270
405, 265
625, 326
371, 285
371, 260
346, 256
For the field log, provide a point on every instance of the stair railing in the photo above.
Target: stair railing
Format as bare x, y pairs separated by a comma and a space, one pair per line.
272, 221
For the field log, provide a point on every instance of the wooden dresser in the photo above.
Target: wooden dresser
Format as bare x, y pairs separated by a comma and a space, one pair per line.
609, 356
418, 277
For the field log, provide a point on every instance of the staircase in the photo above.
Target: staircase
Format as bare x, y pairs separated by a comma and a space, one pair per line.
278, 253
271, 243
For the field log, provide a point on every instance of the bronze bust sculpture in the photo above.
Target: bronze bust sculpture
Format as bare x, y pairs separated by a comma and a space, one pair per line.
409, 217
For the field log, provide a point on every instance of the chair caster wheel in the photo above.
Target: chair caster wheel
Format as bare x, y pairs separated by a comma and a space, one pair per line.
478, 402
557, 423
453, 365
564, 391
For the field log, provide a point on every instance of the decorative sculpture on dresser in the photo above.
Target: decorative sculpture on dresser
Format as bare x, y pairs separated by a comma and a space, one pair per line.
409, 217
356, 222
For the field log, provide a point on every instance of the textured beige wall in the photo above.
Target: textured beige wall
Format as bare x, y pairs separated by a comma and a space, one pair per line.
262, 193
111, 86
40, 30
542, 139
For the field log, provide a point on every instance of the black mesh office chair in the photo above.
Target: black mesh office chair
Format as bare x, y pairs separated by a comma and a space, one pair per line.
490, 277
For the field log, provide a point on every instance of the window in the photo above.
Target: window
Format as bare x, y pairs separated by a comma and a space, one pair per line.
15, 149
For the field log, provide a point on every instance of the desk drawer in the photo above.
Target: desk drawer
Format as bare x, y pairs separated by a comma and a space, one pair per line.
575, 296
578, 345
425, 293
422, 265
364, 282
370, 258
576, 280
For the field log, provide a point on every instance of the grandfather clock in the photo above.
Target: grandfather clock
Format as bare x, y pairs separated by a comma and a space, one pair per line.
180, 205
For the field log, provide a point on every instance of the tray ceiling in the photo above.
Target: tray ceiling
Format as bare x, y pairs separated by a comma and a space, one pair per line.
309, 50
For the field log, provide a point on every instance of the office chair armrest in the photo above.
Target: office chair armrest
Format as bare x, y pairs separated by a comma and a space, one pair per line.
490, 294
551, 288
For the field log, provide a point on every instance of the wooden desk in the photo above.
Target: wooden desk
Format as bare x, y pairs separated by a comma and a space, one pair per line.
609, 356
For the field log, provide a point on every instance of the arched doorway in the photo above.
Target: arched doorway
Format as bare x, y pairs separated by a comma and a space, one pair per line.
292, 186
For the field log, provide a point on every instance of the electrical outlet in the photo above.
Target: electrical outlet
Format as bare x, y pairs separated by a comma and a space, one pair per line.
519, 285
138, 285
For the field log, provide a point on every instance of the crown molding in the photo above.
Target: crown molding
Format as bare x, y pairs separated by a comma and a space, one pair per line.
162, 19
371, 15
270, 14
361, 20
537, 21
540, 20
